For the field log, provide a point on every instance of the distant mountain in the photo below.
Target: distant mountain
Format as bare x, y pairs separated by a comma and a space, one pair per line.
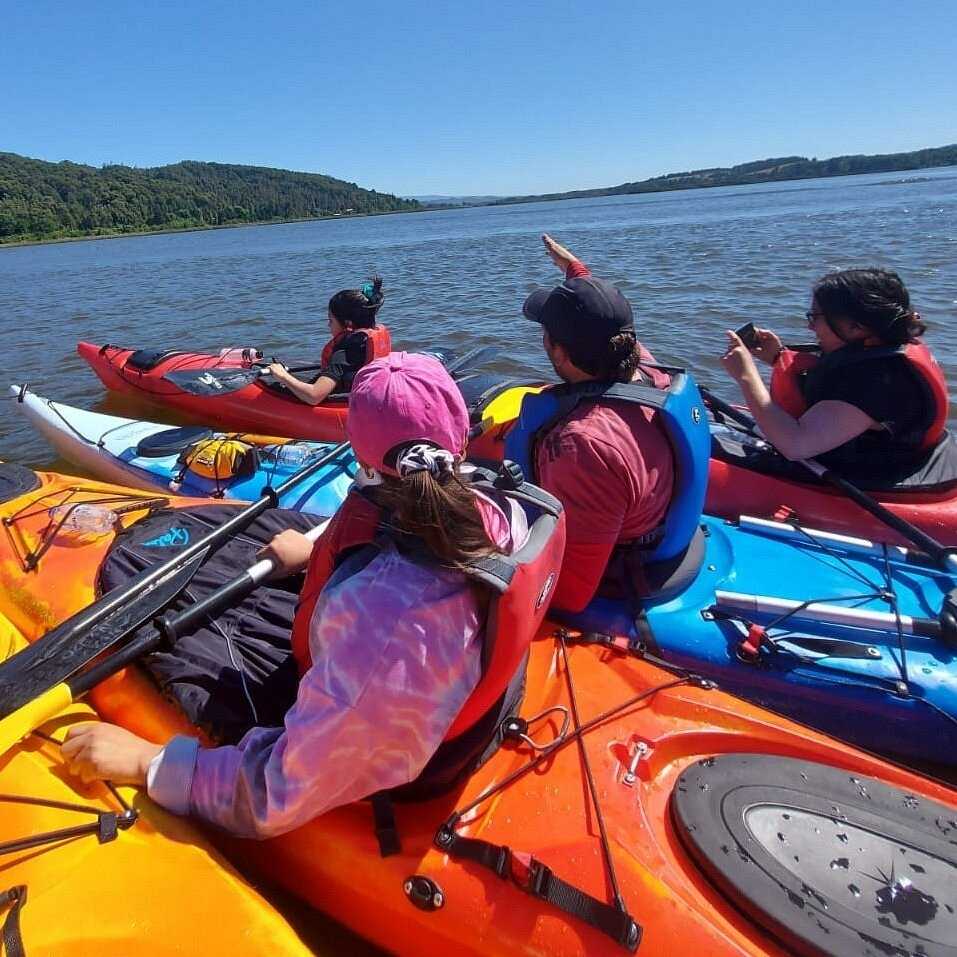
456, 200
40, 200
764, 171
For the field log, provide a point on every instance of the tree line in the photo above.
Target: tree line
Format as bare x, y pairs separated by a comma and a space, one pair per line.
40, 200
766, 171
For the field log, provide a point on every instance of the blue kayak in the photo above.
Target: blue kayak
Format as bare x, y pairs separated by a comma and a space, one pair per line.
836, 632
150, 455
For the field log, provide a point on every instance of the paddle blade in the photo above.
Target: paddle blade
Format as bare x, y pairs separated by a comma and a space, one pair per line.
15, 727
212, 382
71, 646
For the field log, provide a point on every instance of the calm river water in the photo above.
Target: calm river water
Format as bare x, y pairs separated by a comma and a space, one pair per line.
693, 263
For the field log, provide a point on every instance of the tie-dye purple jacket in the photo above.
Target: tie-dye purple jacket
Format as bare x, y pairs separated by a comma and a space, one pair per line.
397, 651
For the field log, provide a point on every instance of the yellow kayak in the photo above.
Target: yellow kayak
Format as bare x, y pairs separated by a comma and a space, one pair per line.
88, 870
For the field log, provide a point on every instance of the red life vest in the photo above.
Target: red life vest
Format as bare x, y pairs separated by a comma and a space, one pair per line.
520, 585
789, 368
378, 343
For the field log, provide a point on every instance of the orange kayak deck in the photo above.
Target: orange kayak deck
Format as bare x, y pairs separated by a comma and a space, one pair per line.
334, 862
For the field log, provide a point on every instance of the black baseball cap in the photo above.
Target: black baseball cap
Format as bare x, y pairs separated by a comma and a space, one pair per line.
584, 311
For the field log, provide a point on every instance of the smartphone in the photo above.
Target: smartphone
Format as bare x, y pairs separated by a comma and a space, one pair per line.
748, 336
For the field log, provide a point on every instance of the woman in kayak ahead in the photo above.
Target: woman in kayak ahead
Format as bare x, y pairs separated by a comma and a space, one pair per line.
356, 340
388, 639
872, 402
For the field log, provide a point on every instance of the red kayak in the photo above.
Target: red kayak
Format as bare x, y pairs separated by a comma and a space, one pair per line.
257, 407
733, 488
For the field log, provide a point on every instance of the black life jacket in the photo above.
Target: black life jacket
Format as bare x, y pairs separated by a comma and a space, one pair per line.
799, 380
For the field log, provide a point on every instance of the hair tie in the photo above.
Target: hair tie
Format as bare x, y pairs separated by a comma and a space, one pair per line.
425, 458
368, 290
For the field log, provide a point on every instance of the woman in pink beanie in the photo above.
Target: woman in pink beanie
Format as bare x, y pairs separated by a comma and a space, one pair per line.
388, 638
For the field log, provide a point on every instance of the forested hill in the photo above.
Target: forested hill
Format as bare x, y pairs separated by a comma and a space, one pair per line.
40, 200
766, 171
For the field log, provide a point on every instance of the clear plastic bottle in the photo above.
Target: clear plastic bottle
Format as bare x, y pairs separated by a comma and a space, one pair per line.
239, 355
294, 455
84, 520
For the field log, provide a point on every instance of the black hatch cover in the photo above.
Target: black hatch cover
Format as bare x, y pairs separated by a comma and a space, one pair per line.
828, 861
171, 441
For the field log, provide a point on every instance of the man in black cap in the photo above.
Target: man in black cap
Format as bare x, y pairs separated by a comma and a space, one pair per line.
608, 461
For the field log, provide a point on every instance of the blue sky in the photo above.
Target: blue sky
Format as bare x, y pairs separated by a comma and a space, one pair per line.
490, 97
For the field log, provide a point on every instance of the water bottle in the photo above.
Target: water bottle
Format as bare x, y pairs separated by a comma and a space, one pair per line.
294, 455
83, 521
238, 355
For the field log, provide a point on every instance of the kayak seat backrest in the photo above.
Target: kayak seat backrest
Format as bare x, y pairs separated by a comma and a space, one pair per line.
171, 441
480, 388
620, 603
146, 359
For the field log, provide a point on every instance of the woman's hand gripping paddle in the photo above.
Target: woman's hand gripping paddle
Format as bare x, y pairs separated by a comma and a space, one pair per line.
72, 645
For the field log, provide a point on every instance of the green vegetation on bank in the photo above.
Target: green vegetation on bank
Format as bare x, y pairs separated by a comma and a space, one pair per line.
765, 171
40, 200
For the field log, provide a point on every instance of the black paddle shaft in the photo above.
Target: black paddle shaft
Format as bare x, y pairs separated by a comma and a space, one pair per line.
165, 631
77, 641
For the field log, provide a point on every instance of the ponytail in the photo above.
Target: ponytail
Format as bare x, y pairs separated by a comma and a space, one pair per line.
615, 360
357, 308
876, 299
438, 508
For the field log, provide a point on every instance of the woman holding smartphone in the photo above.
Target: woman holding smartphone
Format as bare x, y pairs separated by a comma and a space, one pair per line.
871, 402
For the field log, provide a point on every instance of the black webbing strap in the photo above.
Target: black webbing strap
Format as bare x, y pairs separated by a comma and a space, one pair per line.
106, 826
386, 830
16, 897
535, 878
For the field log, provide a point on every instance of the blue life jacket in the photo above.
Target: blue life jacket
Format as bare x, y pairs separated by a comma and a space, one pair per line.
680, 412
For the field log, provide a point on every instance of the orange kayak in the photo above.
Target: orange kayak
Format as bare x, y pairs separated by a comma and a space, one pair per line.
135, 880
730, 830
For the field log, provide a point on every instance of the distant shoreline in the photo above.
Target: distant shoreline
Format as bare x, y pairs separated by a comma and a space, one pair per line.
668, 185
202, 229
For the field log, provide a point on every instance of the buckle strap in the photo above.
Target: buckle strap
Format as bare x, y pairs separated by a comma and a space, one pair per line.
538, 880
386, 829
16, 897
